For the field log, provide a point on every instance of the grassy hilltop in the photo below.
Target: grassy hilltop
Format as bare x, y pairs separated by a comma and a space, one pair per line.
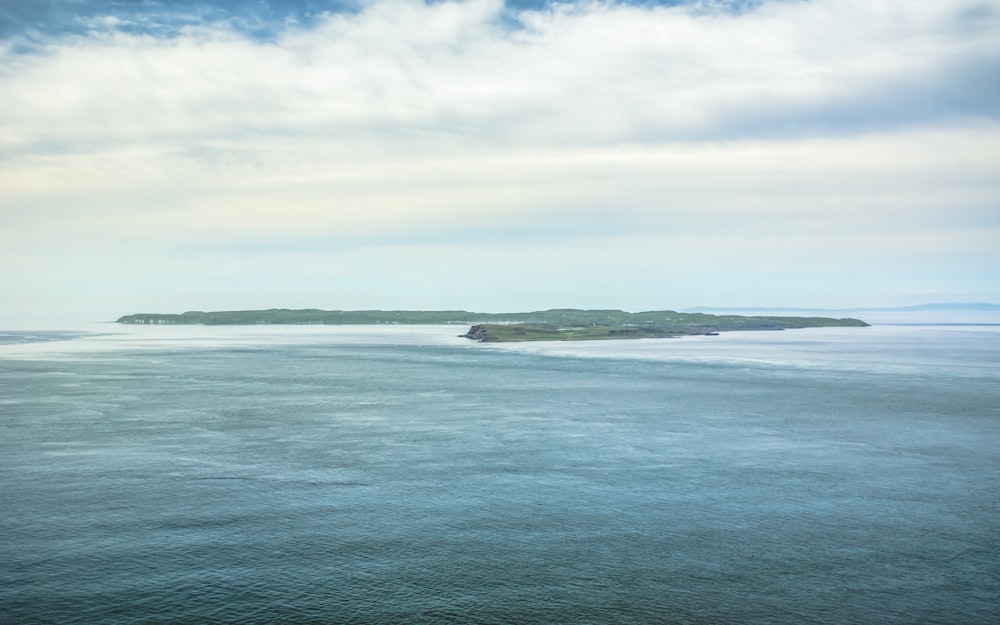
565, 324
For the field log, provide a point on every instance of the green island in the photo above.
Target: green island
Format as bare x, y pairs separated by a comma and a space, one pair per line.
563, 324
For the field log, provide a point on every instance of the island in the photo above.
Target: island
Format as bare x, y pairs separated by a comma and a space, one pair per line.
561, 324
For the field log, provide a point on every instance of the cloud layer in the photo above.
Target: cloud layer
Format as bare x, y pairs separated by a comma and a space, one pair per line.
634, 138
456, 74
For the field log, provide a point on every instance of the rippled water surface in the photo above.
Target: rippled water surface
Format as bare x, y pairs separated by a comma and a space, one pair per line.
403, 475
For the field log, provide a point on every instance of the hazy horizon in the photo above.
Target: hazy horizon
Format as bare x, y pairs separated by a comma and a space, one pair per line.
396, 154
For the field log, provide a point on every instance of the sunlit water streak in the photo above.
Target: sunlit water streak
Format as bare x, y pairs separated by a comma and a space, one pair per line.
405, 475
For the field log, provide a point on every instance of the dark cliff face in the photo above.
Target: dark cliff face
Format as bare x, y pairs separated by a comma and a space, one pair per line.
478, 333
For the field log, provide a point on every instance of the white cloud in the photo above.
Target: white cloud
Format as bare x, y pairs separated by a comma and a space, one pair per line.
892, 185
434, 140
405, 75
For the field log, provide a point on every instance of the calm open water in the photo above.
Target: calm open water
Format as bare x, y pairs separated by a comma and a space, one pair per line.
403, 475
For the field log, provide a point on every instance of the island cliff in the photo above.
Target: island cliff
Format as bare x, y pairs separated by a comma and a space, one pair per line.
495, 333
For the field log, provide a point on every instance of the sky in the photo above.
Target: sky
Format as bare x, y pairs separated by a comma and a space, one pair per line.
172, 155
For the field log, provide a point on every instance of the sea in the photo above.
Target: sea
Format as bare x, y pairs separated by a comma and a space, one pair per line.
402, 474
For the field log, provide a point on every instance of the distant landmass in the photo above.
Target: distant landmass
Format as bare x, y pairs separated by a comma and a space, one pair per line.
944, 306
564, 324
932, 307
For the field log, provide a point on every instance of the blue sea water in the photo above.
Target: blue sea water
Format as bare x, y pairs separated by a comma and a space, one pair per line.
404, 475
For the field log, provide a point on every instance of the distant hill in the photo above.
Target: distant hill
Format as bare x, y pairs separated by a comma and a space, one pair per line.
946, 306
932, 307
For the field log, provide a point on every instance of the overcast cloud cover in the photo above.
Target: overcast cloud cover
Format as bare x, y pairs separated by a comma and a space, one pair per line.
167, 156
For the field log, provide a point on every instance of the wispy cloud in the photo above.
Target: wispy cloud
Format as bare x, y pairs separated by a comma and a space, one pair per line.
455, 74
